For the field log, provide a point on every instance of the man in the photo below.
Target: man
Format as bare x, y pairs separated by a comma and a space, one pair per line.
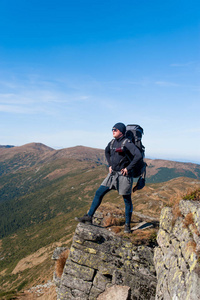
123, 158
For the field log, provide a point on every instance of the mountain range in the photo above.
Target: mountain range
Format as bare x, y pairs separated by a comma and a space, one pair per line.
38, 182
43, 189
33, 154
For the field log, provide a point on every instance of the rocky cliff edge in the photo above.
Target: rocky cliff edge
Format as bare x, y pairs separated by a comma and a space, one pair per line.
99, 260
177, 259
103, 265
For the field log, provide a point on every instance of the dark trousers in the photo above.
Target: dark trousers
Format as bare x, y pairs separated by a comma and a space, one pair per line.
100, 193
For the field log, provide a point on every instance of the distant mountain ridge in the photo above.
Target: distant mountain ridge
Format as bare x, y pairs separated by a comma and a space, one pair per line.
159, 170
28, 155
39, 182
78, 152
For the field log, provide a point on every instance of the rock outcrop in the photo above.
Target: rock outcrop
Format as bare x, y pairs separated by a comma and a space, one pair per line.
104, 265
99, 260
177, 257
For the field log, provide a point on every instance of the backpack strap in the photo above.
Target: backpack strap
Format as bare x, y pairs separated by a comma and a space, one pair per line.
122, 145
111, 144
124, 142
125, 150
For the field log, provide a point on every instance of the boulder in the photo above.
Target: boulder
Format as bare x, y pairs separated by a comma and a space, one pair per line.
100, 261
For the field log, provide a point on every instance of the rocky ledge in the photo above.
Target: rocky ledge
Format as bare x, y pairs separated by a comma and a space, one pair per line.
177, 259
103, 265
101, 262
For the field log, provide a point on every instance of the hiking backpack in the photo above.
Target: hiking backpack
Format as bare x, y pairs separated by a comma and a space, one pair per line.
134, 134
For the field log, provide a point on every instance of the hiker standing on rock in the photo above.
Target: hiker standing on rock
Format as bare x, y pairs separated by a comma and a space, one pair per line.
123, 158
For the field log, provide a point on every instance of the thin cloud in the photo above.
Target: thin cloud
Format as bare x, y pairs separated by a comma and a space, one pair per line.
34, 89
6, 96
167, 84
40, 96
183, 64
15, 109
8, 84
15, 99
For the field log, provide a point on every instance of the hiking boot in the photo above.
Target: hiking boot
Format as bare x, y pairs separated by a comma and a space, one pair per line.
127, 228
85, 219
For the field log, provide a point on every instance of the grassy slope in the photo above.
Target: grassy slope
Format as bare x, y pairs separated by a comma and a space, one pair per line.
161, 170
44, 215
40, 194
35, 197
58, 231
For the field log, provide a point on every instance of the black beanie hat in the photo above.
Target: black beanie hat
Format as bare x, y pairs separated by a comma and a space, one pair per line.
121, 127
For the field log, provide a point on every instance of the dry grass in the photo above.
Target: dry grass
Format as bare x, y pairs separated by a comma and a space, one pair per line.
189, 220
189, 194
110, 221
194, 195
143, 237
178, 196
176, 213
174, 203
116, 229
191, 246
60, 263
110, 208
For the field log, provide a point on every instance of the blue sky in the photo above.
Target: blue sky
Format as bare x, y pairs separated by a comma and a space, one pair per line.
69, 70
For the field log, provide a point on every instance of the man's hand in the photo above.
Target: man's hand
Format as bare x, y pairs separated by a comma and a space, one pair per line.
124, 172
110, 170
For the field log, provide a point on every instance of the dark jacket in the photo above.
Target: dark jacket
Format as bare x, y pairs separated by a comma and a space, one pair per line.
120, 160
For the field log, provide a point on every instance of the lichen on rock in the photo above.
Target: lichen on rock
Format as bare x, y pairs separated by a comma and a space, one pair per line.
177, 256
99, 260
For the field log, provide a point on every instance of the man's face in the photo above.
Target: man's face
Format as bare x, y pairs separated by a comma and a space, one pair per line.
116, 133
